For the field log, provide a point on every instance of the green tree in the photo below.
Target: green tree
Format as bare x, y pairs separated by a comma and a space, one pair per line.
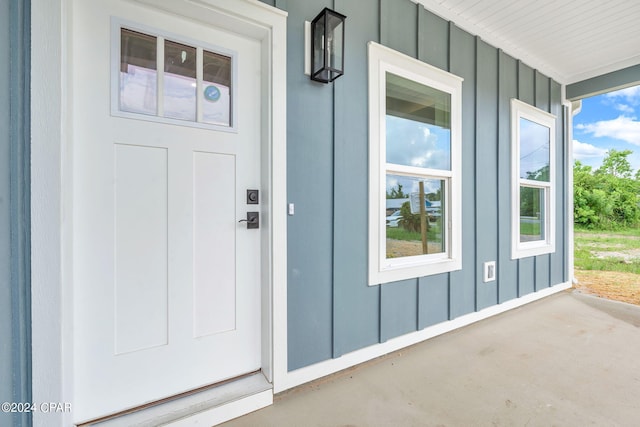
409, 221
616, 164
397, 193
609, 197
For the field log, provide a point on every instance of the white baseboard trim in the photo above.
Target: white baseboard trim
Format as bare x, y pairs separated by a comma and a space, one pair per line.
313, 372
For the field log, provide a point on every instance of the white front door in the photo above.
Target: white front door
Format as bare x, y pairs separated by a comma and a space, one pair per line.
166, 141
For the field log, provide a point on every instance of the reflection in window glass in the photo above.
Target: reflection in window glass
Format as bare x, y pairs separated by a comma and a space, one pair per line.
411, 231
532, 212
179, 81
418, 123
138, 72
534, 151
216, 87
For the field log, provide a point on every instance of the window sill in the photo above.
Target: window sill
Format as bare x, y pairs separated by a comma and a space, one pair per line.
534, 249
405, 271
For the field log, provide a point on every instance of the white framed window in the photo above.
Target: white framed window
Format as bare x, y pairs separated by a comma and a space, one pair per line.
167, 78
533, 180
414, 167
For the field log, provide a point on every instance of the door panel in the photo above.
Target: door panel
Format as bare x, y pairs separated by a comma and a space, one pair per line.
141, 218
166, 287
214, 222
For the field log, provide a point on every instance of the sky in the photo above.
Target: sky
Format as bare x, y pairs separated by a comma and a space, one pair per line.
608, 121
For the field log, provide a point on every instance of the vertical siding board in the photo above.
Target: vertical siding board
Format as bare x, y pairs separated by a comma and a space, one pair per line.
543, 85
433, 48
398, 301
556, 261
526, 83
542, 262
6, 393
399, 26
355, 304
310, 187
433, 39
433, 300
486, 180
15, 279
463, 63
526, 93
507, 268
398, 310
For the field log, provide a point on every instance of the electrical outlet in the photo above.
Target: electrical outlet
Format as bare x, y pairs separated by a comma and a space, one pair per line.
489, 271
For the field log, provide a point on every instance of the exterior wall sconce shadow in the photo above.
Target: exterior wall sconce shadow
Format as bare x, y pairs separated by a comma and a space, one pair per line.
325, 39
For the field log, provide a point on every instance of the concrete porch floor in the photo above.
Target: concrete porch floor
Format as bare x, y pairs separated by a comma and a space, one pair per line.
567, 360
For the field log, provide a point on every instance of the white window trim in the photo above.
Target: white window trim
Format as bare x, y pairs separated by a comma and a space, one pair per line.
520, 249
381, 60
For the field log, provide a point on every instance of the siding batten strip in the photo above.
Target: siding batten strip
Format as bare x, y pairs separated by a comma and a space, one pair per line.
475, 170
332, 316
497, 154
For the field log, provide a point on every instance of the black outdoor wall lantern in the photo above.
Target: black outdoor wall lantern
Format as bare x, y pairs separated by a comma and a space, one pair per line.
327, 46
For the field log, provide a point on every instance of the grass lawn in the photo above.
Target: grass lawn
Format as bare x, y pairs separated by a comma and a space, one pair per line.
399, 233
608, 264
530, 228
608, 251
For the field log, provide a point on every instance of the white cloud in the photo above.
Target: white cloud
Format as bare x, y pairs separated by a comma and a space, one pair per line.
623, 128
623, 100
583, 150
630, 94
624, 108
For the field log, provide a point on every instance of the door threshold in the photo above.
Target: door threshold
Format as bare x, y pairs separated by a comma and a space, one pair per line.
210, 406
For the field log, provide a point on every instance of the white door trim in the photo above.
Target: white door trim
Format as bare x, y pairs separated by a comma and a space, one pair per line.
51, 207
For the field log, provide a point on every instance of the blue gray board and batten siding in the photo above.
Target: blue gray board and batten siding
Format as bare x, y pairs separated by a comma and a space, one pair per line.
15, 336
332, 311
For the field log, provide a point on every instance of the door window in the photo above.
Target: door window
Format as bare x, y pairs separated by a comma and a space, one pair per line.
173, 80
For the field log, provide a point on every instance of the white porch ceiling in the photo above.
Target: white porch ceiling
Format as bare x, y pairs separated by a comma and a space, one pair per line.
568, 40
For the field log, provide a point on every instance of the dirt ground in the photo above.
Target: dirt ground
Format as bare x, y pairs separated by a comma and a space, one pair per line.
400, 248
613, 285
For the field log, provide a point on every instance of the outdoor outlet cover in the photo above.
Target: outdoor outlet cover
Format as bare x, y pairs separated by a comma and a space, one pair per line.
489, 271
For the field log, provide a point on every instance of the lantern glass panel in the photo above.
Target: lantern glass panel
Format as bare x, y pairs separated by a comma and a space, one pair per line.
318, 46
335, 42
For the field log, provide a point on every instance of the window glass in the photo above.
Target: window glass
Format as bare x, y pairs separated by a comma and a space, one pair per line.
179, 81
534, 151
411, 231
138, 72
418, 124
216, 89
532, 214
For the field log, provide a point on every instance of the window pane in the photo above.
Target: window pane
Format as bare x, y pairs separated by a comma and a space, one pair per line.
534, 150
532, 214
216, 87
179, 81
138, 73
418, 122
411, 232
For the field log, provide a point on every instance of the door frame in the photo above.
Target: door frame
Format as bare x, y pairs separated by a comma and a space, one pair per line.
52, 184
